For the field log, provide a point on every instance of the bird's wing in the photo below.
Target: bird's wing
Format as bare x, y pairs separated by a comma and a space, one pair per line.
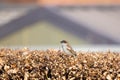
69, 48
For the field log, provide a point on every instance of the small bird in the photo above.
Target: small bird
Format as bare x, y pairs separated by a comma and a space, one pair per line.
67, 48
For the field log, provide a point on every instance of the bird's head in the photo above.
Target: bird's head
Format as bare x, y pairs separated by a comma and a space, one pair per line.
63, 42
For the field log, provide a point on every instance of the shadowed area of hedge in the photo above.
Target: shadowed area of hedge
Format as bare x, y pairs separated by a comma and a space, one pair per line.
25, 64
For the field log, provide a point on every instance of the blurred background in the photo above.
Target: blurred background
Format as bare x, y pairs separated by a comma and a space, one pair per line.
42, 24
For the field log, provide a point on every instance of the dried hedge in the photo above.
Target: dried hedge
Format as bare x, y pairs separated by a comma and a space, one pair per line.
25, 64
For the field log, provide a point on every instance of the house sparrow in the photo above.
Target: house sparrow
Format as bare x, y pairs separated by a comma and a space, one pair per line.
67, 48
